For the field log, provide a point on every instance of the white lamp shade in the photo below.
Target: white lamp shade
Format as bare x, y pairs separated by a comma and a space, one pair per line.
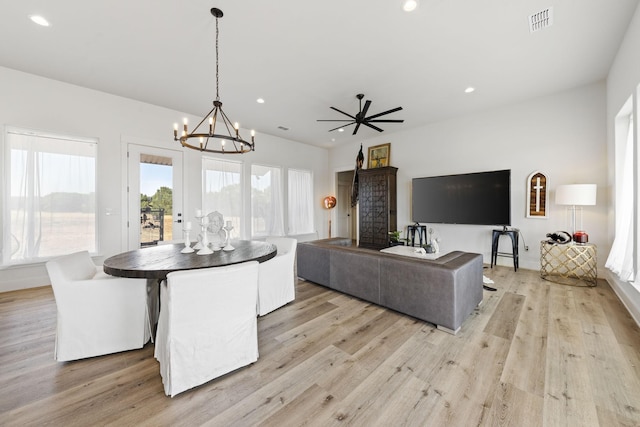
576, 194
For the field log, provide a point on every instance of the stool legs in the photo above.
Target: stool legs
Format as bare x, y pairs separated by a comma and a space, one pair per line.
514, 247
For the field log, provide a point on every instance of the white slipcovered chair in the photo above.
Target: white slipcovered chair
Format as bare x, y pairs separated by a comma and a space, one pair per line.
277, 280
97, 313
208, 324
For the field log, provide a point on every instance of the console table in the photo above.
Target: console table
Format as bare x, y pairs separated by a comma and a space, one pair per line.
569, 264
410, 251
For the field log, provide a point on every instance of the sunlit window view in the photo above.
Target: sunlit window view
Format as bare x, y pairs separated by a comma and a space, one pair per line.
52, 202
266, 201
222, 190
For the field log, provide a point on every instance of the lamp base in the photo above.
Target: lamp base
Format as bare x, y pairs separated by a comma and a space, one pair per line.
580, 237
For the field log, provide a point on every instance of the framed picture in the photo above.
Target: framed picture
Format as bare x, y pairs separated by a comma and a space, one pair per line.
379, 156
538, 195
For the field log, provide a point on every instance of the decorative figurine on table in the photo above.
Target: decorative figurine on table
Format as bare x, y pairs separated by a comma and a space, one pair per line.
203, 240
432, 246
218, 235
227, 244
187, 242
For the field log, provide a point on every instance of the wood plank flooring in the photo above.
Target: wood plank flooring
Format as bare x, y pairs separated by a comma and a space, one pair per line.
533, 353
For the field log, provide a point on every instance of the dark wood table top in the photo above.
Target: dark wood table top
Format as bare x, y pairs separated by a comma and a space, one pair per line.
156, 262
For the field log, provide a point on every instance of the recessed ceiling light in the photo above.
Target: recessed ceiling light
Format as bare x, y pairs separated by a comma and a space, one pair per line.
341, 130
260, 101
469, 89
39, 20
409, 5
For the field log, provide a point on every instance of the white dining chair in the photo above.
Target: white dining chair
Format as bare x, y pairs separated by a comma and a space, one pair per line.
97, 313
208, 324
277, 280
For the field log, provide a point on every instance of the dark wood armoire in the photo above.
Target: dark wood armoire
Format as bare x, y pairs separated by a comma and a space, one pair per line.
377, 210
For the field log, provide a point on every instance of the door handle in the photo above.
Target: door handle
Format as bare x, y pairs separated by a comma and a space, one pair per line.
179, 220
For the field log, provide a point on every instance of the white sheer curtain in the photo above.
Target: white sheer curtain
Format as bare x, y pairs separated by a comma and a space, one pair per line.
49, 196
620, 259
266, 201
300, 201
222, 190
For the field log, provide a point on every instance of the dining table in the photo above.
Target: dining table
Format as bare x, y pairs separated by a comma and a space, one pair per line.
155, 262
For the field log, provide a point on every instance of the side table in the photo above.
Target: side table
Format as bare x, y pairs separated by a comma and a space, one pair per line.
569, 264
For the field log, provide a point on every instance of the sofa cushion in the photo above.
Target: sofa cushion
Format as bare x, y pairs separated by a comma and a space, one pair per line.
356, 273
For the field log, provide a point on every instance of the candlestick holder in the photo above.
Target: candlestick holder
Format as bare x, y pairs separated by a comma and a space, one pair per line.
204, 242
227, 243
187, 243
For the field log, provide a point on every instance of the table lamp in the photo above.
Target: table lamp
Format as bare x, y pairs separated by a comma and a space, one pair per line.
329, 203
576, 196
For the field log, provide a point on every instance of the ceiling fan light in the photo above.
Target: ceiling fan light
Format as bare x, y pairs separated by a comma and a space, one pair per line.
409, 5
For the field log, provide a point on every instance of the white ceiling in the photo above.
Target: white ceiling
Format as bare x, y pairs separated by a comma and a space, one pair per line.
303, 57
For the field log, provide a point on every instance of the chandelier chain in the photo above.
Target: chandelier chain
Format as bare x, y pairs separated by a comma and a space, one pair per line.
217, 73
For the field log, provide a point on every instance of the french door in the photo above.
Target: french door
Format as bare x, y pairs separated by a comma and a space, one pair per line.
155, 185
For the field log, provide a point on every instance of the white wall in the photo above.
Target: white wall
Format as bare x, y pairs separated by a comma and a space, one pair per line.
562, 135
37, 103
622, 82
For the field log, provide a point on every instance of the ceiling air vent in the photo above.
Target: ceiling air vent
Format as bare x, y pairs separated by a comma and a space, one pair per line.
541, 20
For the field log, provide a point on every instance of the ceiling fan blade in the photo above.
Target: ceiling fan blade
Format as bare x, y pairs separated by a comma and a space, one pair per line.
363, 113
348, 115
340, 127
334, 120
393, 110
385, 121
356, 129
372, 126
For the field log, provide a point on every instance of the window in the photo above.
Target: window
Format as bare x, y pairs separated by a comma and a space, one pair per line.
300, 185
266, 201
223, 190
624, 258
50, 195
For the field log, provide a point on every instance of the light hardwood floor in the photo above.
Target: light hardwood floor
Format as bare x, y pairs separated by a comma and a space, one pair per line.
534, 353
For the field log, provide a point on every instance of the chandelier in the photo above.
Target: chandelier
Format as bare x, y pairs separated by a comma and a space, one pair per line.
199, 140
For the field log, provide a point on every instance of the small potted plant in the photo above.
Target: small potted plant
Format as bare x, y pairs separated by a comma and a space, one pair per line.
394, 238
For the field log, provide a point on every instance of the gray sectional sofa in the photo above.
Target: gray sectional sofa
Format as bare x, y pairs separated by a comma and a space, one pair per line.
443, 291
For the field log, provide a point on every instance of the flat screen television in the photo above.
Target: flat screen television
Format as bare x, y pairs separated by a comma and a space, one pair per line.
482, 198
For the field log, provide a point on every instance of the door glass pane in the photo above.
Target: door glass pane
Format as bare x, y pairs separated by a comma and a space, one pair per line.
156, 199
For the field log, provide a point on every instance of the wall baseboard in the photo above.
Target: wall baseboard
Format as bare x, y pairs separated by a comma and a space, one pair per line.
24, 282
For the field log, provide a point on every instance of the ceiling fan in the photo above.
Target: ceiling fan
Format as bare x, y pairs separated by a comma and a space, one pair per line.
361, 117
